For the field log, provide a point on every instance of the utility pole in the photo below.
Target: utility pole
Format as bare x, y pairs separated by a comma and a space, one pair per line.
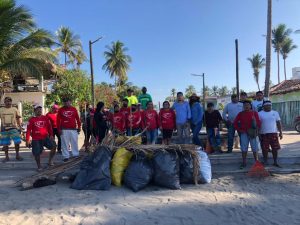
237, 68
268, 50
203, 86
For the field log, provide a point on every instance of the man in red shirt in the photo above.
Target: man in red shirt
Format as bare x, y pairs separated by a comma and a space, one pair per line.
118, 121
150, 118
68, 125
39, 128
52, 115
125, 109
134, 121
167, 122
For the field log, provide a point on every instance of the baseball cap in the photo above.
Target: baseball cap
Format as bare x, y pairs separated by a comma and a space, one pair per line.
268, 102
37, 106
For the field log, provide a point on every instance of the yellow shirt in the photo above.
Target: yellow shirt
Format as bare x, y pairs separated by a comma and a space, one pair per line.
9, 117
132, 100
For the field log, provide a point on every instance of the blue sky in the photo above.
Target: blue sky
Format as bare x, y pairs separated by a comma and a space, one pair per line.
170, 39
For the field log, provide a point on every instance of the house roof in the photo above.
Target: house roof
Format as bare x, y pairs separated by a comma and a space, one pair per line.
285, 87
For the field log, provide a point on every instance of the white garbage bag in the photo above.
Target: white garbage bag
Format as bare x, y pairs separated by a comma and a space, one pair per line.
205, 167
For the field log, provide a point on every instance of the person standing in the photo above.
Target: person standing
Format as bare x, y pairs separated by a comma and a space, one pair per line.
69, 126
197, 118
100, 118
40, 129
134, 122
144, 98
150, 118
125, 109
257, 104
270, 126
132, 99
213, 119
183, 117
247, 123
118, 121
52, 116
243, 97
230, 112
87, 126
10, 123
167, 122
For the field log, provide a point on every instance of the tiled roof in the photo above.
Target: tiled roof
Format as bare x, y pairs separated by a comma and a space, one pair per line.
285, 87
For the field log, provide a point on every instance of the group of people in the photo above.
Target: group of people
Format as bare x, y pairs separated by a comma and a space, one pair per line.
255, 122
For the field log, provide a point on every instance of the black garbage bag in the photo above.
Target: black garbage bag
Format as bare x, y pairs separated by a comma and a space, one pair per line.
139, 173
94, 171
166, 169
42, 182
186, 168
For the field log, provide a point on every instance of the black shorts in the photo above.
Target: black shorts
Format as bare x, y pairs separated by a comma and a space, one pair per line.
38, 145
167, 133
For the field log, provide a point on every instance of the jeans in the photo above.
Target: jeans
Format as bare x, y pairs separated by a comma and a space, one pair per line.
230, 136
196, 129
183, 133
133, 131
245, 140
214, 139
152, 136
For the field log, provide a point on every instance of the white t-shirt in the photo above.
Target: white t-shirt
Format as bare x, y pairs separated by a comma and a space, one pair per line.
268, 121
257, 105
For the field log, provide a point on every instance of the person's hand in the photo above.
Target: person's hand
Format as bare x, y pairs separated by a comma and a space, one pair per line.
78, 130
28, 143
280, 135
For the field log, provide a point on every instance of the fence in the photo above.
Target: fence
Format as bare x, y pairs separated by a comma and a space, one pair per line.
287, 111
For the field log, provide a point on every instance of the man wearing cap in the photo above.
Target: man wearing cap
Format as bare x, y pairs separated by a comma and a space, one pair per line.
144, 98
40, 129
257, 104
196, 118
270, 126
230, 111
10, 123
68, 125
52, 116
132, 99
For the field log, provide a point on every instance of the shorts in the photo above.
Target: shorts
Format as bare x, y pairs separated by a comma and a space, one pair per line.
167, 133
245, 140
8, 135
268, 140
38, 145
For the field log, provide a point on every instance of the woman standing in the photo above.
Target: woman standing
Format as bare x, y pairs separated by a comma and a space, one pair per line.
100, 121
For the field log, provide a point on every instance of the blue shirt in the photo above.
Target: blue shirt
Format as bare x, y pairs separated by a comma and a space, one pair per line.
197, 113
231, 110
183, 112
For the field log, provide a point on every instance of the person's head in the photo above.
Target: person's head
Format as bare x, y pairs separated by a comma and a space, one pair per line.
259, 96
166, 105
149, 105
133, 107
125, 103
139, 107
234, 98
100, 107
194, 98
210, 107
144, 90
243, 96
116, 108
267, 106
180, 97
38, 110
8, 102
247, 105
66, 102
129, 92
54, 108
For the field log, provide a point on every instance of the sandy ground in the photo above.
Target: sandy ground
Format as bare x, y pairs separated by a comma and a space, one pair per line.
227, 200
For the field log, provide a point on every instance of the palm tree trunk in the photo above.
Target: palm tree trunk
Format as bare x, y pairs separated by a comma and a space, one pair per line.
268, 50
258, 86
284, 69
278, 67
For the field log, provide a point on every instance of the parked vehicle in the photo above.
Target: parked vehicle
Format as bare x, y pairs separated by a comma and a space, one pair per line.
297, 124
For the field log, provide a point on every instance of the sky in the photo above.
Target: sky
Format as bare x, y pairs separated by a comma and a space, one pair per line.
170, 39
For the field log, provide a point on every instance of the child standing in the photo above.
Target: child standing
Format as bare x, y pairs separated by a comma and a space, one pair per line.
167, 122
118, 121
134, 121
150, 118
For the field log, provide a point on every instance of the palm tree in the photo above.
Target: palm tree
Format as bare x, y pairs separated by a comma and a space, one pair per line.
69, 44
223, 91
233, 90
268, 49
173, 93
286, 48
79, 58
257, 62
24, 49
189, 91
117, 62
279, 33
214, 90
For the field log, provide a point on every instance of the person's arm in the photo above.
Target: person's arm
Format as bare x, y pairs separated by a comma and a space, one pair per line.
58, 121
258, 122
157, 119
225, 113
28, 133
77, 120
189, 115
150, 98
279, 126
50, 129
200, 113
18, 118
236, 122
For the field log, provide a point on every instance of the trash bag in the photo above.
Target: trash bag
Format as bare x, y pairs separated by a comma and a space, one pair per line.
187, 169
94, 171
166, 169
139, 173
42, 182
205, 167
119, 163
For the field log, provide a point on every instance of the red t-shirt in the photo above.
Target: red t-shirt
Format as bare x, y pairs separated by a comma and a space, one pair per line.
125, 111
134, 120
67, 118
118, 121
39, 128
243, 121
167, 119
150, 118
53, 119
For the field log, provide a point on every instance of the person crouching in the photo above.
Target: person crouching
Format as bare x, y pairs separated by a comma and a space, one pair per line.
40, 130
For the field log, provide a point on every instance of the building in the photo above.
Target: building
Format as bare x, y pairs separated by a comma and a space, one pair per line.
296, 73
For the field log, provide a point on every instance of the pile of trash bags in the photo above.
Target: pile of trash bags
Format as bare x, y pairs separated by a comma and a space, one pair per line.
166, 169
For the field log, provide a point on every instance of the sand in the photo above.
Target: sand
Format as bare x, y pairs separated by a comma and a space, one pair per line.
234, 199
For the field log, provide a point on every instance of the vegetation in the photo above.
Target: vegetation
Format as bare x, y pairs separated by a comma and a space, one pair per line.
257, 62
285, 50
27, 111
189, 91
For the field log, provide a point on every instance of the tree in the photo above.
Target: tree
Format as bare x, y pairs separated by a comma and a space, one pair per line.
105, 93
74, 84
214, 90
279, 34
257, 62
189, 91
268, 49
286, 48
79, 58
223, 91
117, 62
173, 93
69, 44
24, 49
233, 90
